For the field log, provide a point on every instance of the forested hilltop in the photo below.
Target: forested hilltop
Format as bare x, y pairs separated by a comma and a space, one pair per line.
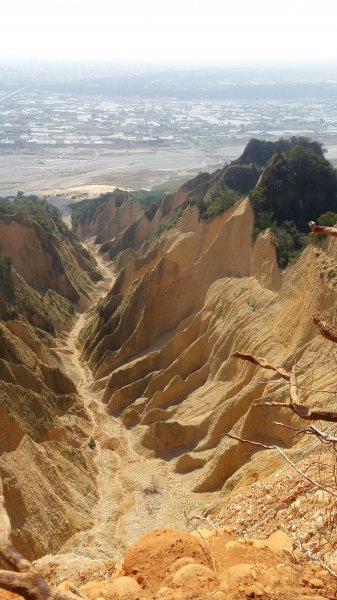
286, 181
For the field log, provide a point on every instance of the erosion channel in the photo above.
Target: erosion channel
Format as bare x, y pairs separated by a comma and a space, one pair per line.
136, 493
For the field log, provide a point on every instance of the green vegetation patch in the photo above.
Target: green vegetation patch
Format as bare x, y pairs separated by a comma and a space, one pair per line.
259, 152
40, 211
225, 199
84, 210
298, 185
241, 178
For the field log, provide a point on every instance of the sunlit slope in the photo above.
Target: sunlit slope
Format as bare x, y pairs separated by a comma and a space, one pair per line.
161, 348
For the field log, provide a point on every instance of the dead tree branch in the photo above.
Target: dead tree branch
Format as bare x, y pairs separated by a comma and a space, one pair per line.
262, 363
204, 545
24, 579
304, 412
324, 437
325, 330
314, 228
317, 484
311, 556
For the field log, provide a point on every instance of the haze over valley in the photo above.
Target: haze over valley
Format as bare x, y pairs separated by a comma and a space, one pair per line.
64, 126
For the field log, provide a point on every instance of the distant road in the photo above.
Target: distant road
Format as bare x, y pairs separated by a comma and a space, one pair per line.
12, 94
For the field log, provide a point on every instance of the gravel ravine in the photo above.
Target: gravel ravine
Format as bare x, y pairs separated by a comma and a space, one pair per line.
136, 493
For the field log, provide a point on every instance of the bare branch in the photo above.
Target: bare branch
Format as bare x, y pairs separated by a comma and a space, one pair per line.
280, 451
208, 551
314, 228
291, 427
293, 387
324, 437
304, 412
325, 330
311, 556
262, 363
207, 519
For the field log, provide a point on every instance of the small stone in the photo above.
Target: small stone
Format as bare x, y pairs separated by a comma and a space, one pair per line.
316, 583
124, 585
253, 592
322, 496
296, 505
253, 574
322, 573
319, 522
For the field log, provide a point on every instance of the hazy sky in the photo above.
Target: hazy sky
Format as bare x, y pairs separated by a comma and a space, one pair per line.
172, 30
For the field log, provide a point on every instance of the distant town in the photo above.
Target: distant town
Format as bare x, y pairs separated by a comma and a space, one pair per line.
205, 123
29, 117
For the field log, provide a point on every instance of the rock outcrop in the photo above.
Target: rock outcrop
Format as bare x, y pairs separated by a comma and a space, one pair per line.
173, 565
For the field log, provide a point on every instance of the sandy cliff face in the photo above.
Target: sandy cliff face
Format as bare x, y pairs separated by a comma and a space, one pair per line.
163, 388
45, 463
121, 225
109, 219
49, 481
46, 261
162, 350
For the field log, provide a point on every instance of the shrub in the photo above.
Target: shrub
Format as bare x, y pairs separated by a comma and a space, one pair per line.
225, 199
100, 308
12, 313
296, 183
328, 219
6, 263
289, 242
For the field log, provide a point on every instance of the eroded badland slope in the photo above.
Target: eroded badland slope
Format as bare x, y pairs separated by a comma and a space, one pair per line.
162, 348
121, 413
44, 275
